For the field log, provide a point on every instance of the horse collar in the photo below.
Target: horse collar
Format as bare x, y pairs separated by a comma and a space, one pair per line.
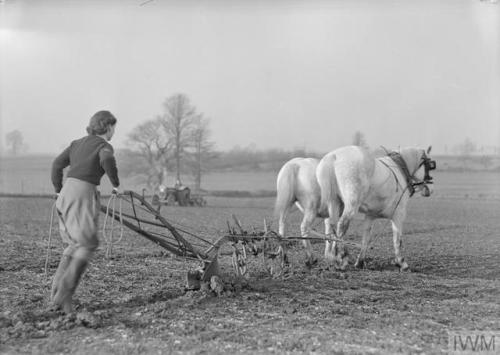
398, 159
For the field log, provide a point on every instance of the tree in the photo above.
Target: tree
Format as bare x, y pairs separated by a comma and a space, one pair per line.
178, 120
359, 139
486, 161
203, 148
465, 150
176, 137
154, 147
15, 141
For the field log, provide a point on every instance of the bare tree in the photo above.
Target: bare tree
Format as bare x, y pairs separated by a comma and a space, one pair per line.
486, 161
15, 141
359, 139
203, 148
177, 121
154, 147
465, 150
178, 136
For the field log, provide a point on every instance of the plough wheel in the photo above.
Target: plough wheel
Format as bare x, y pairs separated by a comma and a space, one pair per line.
239, 261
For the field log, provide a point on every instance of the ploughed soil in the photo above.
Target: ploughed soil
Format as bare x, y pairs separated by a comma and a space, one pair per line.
135, 301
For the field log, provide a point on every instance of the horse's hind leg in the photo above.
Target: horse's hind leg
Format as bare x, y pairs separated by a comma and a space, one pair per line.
329, 245
305, 228
367, 227
334, 210
344, 220
282, 223
341, 255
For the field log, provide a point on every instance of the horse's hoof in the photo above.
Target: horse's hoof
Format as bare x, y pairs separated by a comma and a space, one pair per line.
404, 267
330, 258
311, 262
341, 265
360, 264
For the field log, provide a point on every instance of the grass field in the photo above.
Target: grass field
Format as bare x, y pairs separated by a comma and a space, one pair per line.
135, 303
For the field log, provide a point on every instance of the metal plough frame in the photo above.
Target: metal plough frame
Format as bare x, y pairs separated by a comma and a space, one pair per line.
175, 243
181, 248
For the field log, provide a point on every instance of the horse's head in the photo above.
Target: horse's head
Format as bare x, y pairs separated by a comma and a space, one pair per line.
415, 159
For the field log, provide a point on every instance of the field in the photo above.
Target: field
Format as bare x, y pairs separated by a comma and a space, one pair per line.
31, 175
135, 302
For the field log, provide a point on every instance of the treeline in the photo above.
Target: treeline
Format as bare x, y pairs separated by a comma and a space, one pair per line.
235, 159
250, 158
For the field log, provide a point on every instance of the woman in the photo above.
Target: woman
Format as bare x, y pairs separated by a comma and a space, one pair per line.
78, 202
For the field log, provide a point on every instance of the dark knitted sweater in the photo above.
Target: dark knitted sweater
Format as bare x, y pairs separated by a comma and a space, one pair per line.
89, 159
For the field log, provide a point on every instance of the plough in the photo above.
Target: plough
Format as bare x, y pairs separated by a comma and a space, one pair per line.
141, 217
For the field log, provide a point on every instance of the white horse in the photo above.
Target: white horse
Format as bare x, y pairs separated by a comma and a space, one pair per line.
296, 183
352, 181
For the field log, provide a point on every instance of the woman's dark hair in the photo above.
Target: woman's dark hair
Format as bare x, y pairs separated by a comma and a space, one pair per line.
100, 122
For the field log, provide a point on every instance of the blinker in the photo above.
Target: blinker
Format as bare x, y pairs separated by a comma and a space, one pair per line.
429, 165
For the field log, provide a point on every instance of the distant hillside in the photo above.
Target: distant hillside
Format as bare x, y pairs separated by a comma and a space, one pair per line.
472, 163
31, 174
245, 160
26, 174
444, 163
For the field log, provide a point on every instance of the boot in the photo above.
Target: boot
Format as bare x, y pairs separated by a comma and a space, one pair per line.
63, 265
68, 283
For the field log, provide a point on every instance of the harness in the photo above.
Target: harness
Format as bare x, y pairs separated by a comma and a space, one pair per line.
411, 181
398, 159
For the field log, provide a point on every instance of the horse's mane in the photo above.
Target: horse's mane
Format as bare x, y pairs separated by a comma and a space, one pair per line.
407, 159
412, 156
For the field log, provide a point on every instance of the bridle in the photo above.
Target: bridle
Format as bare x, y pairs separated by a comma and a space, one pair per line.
411, 180
429, 165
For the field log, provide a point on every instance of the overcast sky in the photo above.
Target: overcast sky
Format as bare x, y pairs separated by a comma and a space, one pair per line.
282, 74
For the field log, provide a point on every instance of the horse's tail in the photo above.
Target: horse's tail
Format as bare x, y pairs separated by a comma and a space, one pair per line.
325, 174
285, 189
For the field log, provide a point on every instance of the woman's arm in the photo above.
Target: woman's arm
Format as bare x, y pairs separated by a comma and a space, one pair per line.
61, 162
